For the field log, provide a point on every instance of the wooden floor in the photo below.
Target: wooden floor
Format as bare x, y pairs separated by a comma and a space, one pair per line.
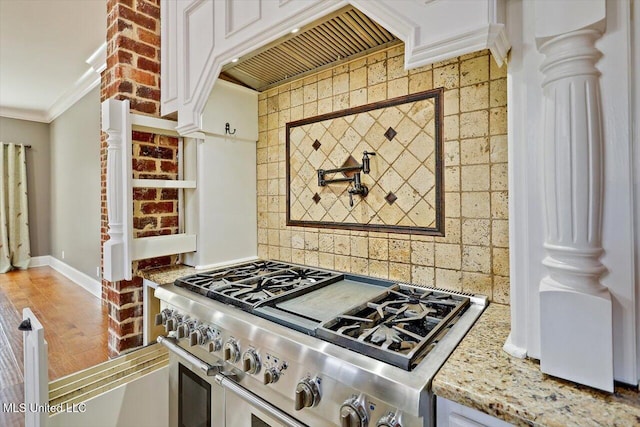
75, 324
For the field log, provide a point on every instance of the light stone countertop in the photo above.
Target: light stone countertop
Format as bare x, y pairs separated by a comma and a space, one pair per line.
480, 375
167, 275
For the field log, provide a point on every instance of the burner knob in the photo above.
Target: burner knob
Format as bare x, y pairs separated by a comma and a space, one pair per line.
185, 327
390, 420
250, 362
215, 345
199, 336
353, 413
307, 393
231, 351
170, 325
271, 375
162, 317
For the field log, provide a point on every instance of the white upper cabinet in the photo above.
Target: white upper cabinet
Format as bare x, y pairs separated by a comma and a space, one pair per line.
200, 36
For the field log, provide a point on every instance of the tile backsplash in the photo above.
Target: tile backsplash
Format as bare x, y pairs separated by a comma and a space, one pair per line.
473, 256
404, 185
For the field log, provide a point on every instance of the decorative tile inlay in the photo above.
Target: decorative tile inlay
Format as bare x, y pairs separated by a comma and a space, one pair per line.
403, 174
390, 198
390, 133
350, 162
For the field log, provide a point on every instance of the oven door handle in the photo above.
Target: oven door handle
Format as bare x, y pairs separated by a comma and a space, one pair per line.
171, 344
258, 402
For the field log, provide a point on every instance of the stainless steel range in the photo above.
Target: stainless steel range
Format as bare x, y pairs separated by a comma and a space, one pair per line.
269, 344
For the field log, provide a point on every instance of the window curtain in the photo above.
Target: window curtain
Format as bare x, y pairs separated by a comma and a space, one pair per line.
14, 216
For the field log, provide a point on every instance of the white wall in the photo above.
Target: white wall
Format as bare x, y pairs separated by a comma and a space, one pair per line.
38, 176
75, 185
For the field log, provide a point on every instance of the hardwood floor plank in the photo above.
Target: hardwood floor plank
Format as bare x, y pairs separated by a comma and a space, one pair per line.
75, 324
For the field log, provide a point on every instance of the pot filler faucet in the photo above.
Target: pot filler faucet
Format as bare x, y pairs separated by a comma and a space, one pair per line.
357, 186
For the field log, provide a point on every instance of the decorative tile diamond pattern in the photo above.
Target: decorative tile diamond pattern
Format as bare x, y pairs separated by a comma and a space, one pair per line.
403, 172
390, 198
390, 133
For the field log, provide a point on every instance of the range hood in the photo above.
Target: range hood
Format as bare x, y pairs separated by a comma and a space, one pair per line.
341, 36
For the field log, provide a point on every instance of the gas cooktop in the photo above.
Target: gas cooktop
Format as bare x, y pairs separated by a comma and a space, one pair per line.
395, 323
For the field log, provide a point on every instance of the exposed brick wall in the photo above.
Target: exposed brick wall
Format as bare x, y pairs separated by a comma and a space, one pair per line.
133, 73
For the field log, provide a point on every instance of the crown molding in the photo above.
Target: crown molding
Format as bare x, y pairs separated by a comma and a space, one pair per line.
22, 114
87, 82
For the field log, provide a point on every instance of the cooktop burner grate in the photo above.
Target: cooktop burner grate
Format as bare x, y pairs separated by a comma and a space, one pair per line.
398, 327
249, 286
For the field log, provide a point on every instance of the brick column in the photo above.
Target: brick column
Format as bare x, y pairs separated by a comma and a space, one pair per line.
133, 73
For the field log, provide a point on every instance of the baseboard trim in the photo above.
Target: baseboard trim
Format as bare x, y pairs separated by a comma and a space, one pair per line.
76, 276
40, 261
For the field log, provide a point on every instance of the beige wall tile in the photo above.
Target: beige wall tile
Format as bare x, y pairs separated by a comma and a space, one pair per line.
501, 289
400, 272
358, 78
473, 254
500, 233
451, 102
501, 261
447, 256
476, 259
474, 97
500, 204
421, 81
476, 205
447, 76
422, 253
398, 87
377, 73
477, 283
498, 120
342, 244
359, 247
379, 248
476, 232
285, 254
474, 124
475, 178
474, 151
448, 279
399, 250
360, 265
496, 72
326, 260
422, 275
498, 93
499, 177
342, 263
474, 71
379, 269
499, 149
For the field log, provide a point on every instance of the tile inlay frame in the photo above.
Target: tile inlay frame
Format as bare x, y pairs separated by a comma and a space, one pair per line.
438, 96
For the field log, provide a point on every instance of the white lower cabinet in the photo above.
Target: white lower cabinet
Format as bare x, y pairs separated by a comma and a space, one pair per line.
452, 414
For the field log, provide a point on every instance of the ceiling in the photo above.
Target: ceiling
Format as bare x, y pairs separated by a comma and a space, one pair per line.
338, 37
44, 45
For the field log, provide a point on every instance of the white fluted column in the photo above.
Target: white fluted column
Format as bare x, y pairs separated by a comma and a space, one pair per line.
576, 330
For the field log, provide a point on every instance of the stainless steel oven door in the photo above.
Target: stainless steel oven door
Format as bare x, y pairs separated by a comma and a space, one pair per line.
201, 396
195, 399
